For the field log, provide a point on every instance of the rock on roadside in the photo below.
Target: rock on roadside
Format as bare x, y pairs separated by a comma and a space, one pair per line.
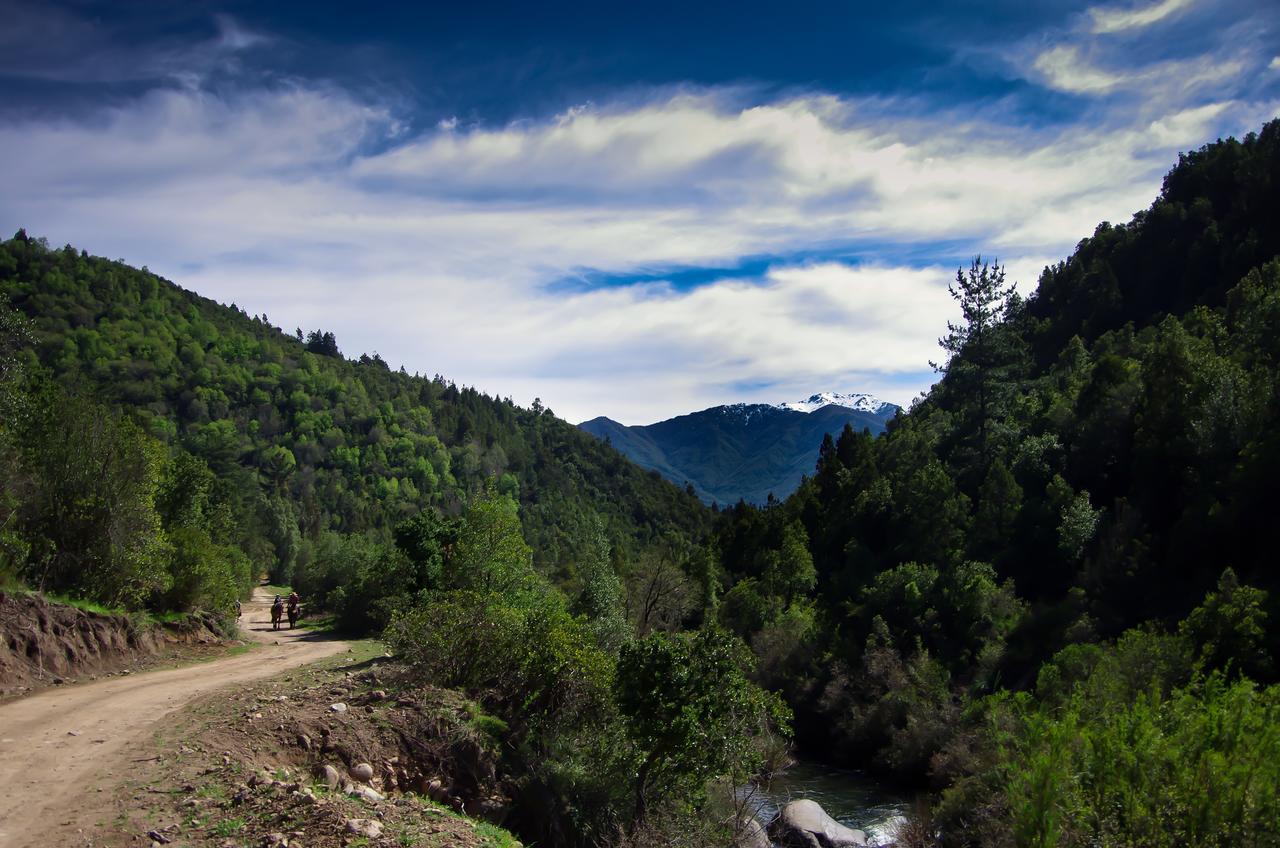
804, 824
751, 834
370, 828
329, 776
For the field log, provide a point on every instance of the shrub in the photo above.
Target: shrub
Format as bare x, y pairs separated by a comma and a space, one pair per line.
690, 714
1199, 765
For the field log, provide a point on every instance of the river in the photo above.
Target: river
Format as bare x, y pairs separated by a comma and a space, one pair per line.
849, 797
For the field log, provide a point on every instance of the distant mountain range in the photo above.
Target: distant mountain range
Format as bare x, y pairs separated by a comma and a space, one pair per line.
743, 451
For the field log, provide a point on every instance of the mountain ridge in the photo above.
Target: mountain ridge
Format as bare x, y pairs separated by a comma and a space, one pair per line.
743, 451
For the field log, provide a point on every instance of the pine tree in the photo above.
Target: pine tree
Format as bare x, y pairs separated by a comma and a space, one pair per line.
975, 348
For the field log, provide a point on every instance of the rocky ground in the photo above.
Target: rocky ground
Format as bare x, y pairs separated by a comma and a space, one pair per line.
319, 756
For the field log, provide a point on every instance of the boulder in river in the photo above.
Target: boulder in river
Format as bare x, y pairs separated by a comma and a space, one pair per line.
804, 824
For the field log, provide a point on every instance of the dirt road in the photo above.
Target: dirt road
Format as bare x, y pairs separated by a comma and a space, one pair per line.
64, 750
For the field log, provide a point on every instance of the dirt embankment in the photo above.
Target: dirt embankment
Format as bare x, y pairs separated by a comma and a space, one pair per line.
43, 643
67, 753
321, 757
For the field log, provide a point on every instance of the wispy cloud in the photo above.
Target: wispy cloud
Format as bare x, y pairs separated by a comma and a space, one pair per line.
41, 41
1110, 19
1203, 52
1066, 70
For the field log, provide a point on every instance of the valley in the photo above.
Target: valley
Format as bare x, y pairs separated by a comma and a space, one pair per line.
1042, 603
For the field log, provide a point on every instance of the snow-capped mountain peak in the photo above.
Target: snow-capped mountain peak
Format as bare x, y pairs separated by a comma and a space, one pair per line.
857, 401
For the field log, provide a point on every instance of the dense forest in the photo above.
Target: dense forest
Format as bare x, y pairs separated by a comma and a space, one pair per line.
1046, 597
1050, 591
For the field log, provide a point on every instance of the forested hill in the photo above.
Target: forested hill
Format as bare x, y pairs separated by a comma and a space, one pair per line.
314, 441
1081, 511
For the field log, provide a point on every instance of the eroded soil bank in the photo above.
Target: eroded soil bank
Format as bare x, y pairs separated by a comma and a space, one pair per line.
43, 643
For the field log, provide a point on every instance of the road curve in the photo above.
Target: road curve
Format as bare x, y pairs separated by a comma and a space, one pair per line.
59, 746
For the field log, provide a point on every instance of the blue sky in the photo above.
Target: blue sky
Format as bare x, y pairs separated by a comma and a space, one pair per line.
634, 210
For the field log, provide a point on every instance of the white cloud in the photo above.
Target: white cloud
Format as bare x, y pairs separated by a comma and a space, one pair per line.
447, 250
1065, 69
1108, 20
1274, 65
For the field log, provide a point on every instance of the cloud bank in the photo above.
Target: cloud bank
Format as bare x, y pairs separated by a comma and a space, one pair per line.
541, 258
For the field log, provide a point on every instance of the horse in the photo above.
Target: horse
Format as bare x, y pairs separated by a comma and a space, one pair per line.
276, 610
293, 615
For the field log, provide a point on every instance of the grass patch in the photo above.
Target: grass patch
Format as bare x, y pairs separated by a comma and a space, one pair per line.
282, 591
9, 582
485, 724
229, 827
494, 835
320, 624
141, 619
82, 604
216, 791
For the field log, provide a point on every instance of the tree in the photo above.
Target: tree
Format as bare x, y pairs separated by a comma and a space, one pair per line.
789, 571
1229, 628
426, 540
91, 515
323, 344
15, 334
601, 595
491, 556
659, 593
974, 346
690, 713
999, 500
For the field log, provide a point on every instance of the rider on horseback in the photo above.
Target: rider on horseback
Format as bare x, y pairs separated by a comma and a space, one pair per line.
277, 611
294, 600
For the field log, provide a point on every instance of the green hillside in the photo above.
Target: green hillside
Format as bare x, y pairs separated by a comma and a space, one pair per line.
307, 440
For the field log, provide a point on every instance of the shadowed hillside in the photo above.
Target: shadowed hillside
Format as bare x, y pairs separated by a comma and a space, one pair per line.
739, 452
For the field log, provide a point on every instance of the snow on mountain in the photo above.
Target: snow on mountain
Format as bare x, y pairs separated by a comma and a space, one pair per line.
857, 401
744, 451
744, 411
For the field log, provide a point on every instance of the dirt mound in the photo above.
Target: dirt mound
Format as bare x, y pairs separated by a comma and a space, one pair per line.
277, 765
412, 740
42, 642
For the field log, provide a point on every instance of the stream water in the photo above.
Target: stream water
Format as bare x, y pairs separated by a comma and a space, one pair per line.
849, 797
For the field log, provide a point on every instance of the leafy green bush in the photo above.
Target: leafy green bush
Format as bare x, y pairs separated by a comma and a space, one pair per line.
460, 639
1200, 766
690, 713
204, 575
89, 514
